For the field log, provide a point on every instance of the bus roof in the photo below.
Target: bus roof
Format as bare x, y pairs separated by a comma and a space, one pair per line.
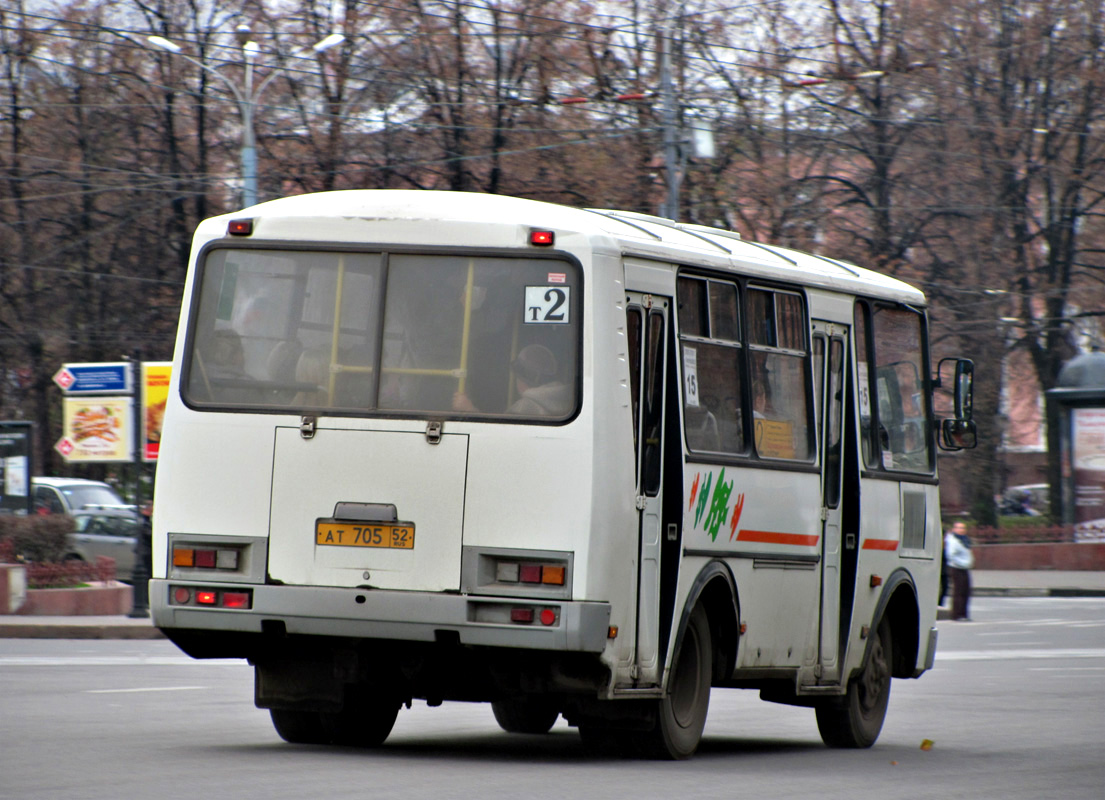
311, 216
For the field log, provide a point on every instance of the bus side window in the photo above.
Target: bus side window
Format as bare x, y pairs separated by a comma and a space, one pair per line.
863, 376
778, 341
633, 327
710, 351
902, 410
654, 405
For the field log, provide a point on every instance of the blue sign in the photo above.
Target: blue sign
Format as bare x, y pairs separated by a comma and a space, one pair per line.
106, 378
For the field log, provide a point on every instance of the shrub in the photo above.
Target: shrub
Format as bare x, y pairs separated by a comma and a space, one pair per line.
35, 538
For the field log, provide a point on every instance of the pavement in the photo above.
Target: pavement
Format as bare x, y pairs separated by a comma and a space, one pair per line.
985, 583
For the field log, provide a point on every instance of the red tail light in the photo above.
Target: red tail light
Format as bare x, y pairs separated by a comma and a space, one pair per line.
212, 597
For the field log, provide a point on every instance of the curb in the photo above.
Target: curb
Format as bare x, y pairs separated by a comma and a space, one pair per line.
76, 631
1054, 592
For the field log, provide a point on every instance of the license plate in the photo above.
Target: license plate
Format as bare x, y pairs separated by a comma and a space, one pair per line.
399, 536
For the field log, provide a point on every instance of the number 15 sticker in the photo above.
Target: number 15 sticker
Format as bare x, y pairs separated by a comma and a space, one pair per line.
547, 304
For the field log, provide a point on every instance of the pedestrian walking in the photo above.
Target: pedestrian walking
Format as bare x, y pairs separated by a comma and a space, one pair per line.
960, 560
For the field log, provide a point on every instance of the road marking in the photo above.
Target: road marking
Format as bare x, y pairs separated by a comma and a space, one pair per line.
144, 689
117, 661
1013, 655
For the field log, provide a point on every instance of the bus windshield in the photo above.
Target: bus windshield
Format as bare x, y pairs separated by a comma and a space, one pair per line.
284, 330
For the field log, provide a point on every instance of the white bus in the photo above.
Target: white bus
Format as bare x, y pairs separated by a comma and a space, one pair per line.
445, 446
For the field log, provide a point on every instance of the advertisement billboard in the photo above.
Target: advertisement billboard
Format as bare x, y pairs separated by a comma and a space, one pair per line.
97, 429
1088, 455
155, 391
15, 470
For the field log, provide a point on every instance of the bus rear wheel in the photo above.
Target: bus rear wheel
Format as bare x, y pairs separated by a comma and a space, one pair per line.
857, 721
299, 727
366, 720
525, 714
681, 714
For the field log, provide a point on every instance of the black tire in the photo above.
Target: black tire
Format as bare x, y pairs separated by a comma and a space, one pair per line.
366, 720
525, 714
681, 714
856, 721
299, 727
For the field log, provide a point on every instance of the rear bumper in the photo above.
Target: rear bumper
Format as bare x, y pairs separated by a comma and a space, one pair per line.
380, 614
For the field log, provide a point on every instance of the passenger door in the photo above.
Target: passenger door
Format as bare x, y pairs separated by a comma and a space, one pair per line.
647, 321
830, 362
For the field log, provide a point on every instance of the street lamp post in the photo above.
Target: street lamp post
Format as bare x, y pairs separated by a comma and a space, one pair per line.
246, 96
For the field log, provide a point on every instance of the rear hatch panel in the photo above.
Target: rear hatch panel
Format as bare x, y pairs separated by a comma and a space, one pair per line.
424, 482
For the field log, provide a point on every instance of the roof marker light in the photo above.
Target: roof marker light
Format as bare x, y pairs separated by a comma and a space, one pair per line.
240, 227
542, 238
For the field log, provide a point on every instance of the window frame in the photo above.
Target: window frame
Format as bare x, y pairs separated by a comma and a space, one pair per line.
745, 348
873, 452
709, 340
565, 262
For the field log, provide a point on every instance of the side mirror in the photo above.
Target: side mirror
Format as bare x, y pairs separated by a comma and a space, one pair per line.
960, 387
958, 434
964, 389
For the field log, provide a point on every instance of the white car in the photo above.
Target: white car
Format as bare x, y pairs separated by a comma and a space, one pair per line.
105, 524
72, 495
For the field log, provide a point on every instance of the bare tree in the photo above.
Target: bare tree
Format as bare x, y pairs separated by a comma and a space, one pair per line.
1028, 78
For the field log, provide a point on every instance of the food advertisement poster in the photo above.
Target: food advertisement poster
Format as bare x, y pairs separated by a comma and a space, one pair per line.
97, 429
155, 391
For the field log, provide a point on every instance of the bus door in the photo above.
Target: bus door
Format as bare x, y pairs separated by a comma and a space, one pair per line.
647, 320
839, 503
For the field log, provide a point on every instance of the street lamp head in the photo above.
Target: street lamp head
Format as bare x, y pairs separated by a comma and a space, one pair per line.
330, 41
163, 44
241, 33
251, 49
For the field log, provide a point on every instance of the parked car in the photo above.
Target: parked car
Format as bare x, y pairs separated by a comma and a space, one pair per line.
71, 495
111, 535
1030, 500
105, 524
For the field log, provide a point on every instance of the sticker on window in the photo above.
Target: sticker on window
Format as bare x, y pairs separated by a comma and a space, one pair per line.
547, 304
864, 391
690, 376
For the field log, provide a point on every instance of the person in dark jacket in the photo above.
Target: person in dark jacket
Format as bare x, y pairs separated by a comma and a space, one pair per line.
960, 560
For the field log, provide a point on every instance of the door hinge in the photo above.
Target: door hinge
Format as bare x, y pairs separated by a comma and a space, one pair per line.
433, 431
640, 502
307, 426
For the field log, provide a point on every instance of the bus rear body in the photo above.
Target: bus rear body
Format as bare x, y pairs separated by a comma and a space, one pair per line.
441, 446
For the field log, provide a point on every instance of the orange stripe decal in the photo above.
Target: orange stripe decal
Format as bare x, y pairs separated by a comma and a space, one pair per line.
880, 544
773, 537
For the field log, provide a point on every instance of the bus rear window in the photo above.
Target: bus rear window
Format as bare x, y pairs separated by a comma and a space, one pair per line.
322, 331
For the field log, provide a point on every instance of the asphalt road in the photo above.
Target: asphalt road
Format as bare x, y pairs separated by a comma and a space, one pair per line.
1015, 708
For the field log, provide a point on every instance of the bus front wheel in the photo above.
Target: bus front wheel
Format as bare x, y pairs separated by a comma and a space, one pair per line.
857, 721
681, 714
